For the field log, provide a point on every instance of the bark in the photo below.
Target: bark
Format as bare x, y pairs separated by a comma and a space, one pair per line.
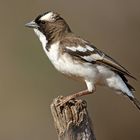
71, 120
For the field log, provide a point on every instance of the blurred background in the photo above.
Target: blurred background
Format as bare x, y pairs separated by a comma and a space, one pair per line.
29, 82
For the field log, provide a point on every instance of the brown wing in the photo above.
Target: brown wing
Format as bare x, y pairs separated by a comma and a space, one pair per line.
91, 54
114, 65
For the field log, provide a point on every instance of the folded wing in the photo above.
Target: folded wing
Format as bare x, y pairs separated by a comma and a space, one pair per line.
90, 54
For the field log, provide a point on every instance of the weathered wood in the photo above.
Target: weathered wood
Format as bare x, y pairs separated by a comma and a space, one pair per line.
71, 120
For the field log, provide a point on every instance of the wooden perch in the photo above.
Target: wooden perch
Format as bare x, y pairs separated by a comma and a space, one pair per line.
71, 120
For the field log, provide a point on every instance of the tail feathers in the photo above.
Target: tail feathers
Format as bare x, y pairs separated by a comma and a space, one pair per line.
131, 89
135, 101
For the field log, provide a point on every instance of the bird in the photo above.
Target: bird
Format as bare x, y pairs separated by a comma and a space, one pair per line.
78, 58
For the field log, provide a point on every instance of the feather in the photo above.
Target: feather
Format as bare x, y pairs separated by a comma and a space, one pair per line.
89, 53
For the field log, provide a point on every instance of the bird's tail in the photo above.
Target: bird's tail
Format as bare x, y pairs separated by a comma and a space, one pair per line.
131, 89
135, 101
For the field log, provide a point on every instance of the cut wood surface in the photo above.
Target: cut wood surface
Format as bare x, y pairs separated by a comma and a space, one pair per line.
71, 120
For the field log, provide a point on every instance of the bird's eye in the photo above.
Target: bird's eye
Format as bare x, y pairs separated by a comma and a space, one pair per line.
43, 22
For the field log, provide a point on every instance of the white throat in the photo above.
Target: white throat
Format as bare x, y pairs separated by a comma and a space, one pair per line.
41, 37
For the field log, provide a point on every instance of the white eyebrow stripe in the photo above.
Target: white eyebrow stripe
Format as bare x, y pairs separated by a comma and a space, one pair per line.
47, 17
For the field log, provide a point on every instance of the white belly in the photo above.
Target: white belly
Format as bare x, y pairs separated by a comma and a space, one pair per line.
92, 74
66, 65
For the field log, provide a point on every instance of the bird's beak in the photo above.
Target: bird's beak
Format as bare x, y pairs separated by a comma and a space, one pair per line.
32, 24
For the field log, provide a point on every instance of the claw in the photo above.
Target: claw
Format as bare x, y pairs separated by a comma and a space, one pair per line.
64, 101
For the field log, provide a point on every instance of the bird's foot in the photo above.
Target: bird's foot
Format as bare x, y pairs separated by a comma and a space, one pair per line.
66, 99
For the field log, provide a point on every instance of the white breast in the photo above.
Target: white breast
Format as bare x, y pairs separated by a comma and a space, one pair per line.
41, 37
65, 64
53, 54
92, 74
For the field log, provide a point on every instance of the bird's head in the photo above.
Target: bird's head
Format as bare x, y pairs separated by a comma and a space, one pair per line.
50, 24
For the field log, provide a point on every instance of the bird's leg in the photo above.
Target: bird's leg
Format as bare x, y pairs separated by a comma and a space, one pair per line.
76, 95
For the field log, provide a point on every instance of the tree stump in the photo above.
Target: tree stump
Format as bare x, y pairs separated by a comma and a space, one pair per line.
71, 120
